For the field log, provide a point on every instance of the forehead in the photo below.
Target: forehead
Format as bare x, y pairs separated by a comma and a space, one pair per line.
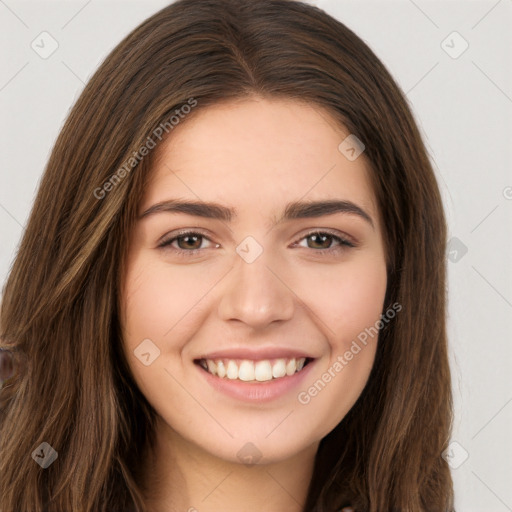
258, 154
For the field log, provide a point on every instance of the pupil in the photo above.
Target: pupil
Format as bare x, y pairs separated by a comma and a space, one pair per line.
323, 238
188, 237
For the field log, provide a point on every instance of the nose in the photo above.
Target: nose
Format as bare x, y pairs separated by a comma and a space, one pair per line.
256, 293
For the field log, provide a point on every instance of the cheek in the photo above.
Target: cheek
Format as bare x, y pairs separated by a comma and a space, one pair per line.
158, 306
350, 304
158, 299
347, 298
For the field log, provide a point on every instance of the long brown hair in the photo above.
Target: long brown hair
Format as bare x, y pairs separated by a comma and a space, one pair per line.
60, 303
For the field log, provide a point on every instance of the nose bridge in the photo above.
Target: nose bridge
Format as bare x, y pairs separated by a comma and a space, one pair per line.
255, 292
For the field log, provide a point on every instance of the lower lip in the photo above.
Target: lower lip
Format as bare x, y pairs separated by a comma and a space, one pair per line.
256, 391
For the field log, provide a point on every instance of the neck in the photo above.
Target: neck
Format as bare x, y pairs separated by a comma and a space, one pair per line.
180, 476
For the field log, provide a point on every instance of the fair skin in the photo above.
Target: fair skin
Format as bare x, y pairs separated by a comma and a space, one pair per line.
216, 451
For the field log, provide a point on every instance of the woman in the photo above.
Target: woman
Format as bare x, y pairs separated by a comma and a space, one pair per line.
179, 341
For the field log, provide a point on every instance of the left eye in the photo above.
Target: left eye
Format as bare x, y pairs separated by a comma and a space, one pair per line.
190, 242
320, 237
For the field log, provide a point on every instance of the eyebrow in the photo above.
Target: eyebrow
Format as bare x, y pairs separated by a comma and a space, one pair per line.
293, 210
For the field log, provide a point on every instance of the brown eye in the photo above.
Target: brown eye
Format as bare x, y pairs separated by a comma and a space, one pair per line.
319, 239
189, 241
184, 243
325, 242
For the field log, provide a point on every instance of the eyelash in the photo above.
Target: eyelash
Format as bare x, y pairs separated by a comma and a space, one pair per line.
344, 243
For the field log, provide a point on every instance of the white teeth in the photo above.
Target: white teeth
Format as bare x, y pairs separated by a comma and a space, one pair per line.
221, 370
232, 370
248, 371
291, 367
279, 368
211, 367
263, 371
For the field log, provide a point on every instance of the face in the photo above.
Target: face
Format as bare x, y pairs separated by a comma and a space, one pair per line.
241, 321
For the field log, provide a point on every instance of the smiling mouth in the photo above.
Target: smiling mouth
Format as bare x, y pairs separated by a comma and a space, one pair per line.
247, 370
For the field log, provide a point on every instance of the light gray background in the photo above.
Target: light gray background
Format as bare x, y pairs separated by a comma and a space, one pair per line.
463, 106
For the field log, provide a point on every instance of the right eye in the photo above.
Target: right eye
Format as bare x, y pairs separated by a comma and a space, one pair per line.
190, 242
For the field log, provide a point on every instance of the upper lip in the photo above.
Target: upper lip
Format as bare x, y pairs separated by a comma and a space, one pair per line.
257, 353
